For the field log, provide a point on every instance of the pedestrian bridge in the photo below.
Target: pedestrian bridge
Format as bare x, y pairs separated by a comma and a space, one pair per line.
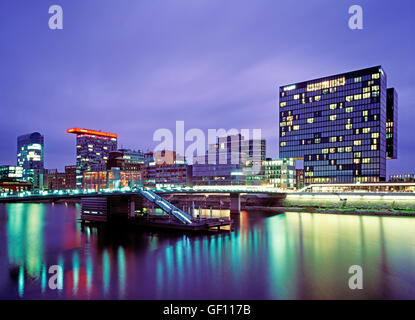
151, 195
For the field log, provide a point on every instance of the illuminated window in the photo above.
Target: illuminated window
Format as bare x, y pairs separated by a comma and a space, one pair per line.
375, 76
349, 109
365, 113
373, 147
333, 139
367, 89
333, 106
375, 135
366, 130
310, 120
348, 149
317, 98
283, 144
296, 96
325, 151
375, 88
332, 150
357, 142
349, 126
340, 149
366, 95
356, 161
357, 154
283, 104
357, 131
366, 160
357, 97
297, 127
349, 98
333, 117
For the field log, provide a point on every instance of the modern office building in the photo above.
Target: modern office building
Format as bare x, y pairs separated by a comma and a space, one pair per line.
230, 161
391, 124
30, 156
337, 124
406, 177
126, 160
110, 179
11, 180
280, 173
92, 150
11, 172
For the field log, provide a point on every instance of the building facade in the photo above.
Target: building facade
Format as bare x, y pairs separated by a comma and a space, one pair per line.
92, 150
230, 161
280, 173
299, 178
126, 160
11, 172
110, 179
406, 177
30, 156
391, 124
337, 124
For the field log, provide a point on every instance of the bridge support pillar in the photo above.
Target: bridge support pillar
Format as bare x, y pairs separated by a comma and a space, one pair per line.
235, 204
131, 208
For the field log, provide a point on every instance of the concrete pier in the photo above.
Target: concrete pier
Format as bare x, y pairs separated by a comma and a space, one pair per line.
235, 203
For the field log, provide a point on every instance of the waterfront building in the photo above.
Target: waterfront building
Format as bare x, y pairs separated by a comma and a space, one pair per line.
126, 160
391, 124
111, 179
92, 150
30, 156
11, 172
406, 177
280, 173
299, 178
167, 169
54, 180
11, 180
337, 124
70, 177
230, 161
12, 186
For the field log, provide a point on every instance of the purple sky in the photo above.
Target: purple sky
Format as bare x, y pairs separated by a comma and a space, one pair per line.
134, 66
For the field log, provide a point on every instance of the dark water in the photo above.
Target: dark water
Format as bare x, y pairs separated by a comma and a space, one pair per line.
267, 256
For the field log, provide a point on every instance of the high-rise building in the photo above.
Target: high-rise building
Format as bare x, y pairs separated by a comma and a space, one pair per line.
92, 150
337, 124
30, 156
391, 124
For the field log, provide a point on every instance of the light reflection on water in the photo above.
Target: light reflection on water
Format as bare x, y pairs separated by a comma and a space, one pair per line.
267, 256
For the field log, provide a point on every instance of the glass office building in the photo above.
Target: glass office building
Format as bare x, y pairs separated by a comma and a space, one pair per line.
92, 151
337, 125
391, 124
30, 156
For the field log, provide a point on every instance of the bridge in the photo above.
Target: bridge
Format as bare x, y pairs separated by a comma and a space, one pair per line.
99, 205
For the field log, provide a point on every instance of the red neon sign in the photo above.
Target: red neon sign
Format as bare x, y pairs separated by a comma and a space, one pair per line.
92, 132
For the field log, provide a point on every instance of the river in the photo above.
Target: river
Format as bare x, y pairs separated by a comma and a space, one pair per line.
267, 256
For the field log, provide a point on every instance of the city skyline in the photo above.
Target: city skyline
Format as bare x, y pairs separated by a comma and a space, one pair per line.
109, 76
